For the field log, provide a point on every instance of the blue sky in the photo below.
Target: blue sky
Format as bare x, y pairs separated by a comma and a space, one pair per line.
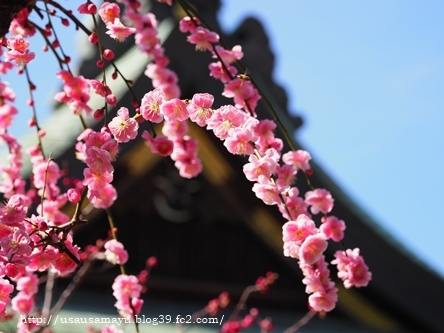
367, 78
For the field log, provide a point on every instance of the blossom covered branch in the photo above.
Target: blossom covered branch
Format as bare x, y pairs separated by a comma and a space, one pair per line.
36, 236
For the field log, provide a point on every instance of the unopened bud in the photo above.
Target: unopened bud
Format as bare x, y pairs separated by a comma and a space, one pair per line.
108, 54
93, 38
98, 114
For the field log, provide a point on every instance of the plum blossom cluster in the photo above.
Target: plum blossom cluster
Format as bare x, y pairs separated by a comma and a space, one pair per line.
244, 134
174, 142
75, 92
18, 51
110, 15
36, 235
127, 291
238, 321
11, 182
98, 150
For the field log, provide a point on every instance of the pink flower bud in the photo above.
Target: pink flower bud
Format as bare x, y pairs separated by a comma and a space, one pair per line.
151, 262
31, 122
92, 9
98, 114
74, 195
93, 38
111, 99
108, 54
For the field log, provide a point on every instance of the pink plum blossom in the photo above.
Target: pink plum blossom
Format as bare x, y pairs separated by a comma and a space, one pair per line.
297, 231
64, 264
323, 301
109, 12
243, 92
199, 108
291, 249
203, 38
102, 198
239, 141
265, 165
333, 228
352, 268
229, 56
266, 191
224, 119
317, 280
6, 288
159, 145
127, 292
16, 243
126, 287
320, 200
29, 285
312, 248
13, 213
96, 181
150, 107
23, 303
42, 260
99, 160
188, 25
299, 159
115, 252
118, 30
20, 24
286, 175
293, 204
189, 168
174, 109
18, 51
123, 127
219, 72
73, 195
175, 129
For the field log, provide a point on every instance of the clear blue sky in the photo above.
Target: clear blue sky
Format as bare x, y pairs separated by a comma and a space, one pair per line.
367, 77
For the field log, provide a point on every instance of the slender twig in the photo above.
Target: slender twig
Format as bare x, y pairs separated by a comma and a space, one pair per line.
34, 113
70, 15
49, 288
198, 314
241, 304
76, 280
44, 184
122, 267
301, 322
55, 36
113, 233
78, 211
48, 42
100, 46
